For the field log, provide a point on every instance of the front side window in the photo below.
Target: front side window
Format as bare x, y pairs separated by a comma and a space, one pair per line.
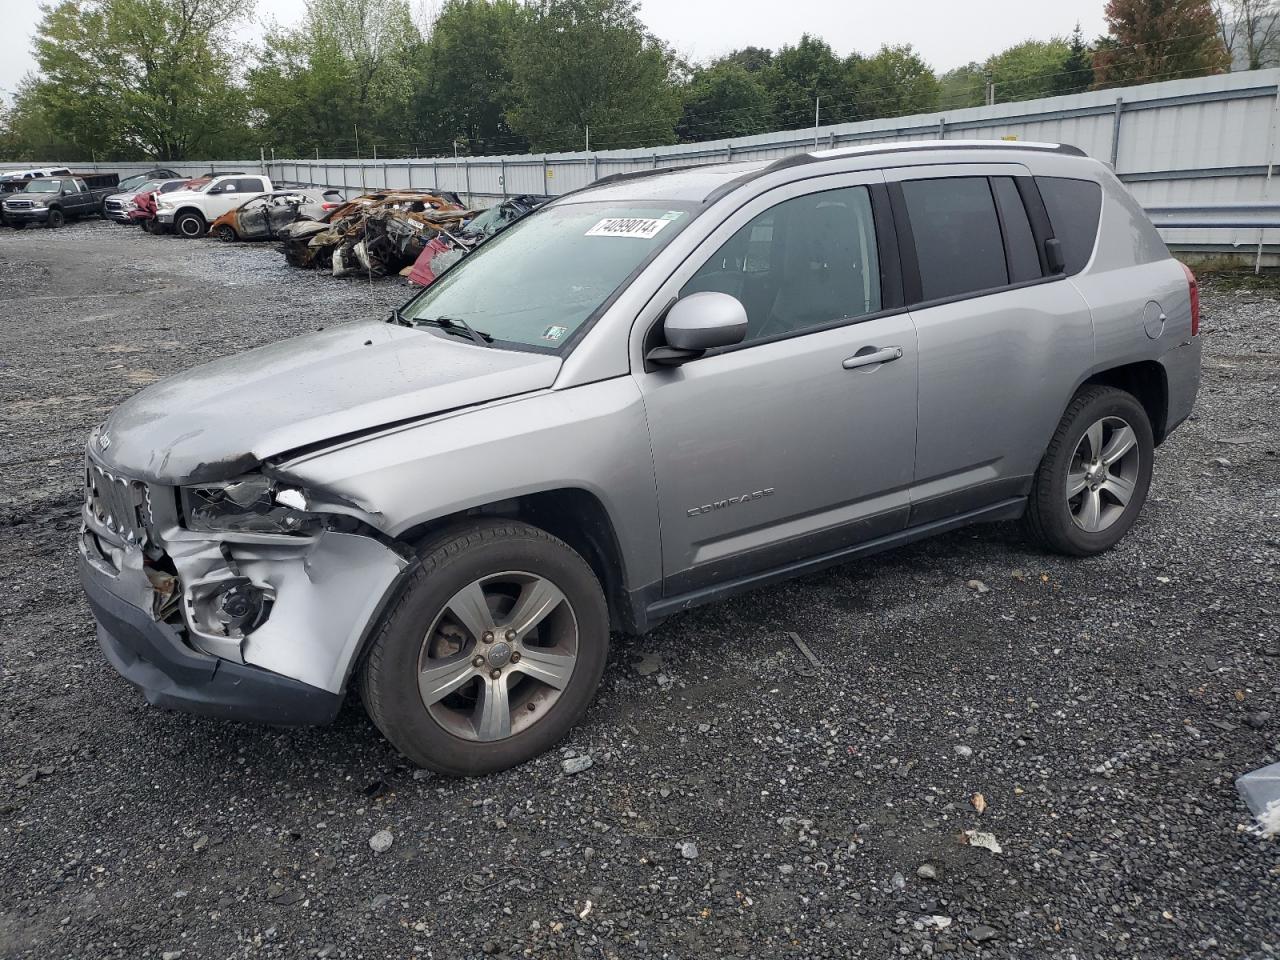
957, 236
536, 283
808, 262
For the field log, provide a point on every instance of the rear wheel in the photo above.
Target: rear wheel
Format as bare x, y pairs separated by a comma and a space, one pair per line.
492, 653
1094, 477
190, 224
56, 219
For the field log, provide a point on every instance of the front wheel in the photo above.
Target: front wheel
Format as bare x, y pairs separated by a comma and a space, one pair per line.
1094, 477
56, 219
226, 233
492, 653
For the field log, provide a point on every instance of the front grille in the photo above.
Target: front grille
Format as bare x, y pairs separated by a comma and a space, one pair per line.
115, 205
15, 204
116, 504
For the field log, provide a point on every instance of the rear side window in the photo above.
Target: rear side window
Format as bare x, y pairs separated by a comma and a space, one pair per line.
957, 236
250, 186
1073, 206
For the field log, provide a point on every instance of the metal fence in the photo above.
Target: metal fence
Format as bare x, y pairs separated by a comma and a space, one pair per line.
1203, 141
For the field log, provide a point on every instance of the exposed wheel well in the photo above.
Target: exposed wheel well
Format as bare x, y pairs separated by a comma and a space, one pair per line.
575, 516
1147, 382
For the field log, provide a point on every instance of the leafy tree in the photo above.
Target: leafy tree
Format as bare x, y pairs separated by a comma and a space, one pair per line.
592, 63
128, 78
751, 59
963, 87
1028, 70
725, 100
340, 81
1250, 31
464, 78
1077, 69
803, 72
1159, 40
893, 83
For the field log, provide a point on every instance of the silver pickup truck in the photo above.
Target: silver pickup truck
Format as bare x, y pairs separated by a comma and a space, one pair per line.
650, 394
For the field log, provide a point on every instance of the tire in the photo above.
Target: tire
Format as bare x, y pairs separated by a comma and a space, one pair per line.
154, 227
56, 219
226, 233
17, 226
456, 735
1106, 492
190, 225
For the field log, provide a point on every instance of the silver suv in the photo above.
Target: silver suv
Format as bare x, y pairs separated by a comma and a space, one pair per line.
653, 393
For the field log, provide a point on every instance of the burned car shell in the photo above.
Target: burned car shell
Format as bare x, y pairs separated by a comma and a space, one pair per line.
263, 217
448, 247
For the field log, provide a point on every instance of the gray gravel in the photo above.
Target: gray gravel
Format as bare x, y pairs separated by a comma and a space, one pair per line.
735, 803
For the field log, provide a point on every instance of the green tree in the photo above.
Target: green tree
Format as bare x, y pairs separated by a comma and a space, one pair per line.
964, 86
894, 82
806, 71
725, 100
341, 81
1028, 70
1153, 40
751, 59
464, 77
130, 78
1077, 69
592, 63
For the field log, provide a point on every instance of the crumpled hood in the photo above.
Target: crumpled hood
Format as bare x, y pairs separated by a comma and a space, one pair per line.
218, 420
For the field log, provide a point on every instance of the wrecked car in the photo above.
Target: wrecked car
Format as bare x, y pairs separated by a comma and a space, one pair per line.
120, 207
372, 235
602, 417
447, 248
263, 217
144, 203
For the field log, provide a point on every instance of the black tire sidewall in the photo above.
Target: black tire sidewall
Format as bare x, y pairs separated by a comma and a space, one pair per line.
179, 221
226, 234
1054, 511
401, 715
56, 219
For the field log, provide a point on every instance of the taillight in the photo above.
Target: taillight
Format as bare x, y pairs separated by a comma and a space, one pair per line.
1193, 289
330, 206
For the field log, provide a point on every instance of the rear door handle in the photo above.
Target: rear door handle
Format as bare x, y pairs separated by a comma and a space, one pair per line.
883, 355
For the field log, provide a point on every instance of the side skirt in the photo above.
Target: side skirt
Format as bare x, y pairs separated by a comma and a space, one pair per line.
658, 610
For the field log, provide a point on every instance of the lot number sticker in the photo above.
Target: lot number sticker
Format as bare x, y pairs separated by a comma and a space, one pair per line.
644, 228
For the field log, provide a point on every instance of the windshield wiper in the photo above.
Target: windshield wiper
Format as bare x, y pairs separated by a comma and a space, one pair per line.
397, 316
458, 326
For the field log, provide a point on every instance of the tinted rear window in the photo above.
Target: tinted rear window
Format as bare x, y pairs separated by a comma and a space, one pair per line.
957, 236
1073, 206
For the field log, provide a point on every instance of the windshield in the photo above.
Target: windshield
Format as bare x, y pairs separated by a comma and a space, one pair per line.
44, 186
131, 183
540, 280
148, 186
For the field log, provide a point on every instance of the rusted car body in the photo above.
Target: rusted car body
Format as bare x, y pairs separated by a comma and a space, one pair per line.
263, 217
447, 248
375, 234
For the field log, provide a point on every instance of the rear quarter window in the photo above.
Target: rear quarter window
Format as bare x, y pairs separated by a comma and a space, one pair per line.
1074, 207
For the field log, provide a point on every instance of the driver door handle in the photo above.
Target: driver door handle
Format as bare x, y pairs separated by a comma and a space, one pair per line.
883, 355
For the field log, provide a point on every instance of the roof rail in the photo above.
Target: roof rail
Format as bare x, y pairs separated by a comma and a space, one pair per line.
908, 146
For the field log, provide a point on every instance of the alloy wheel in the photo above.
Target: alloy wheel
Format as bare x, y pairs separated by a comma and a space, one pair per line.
498, 656
1103, 474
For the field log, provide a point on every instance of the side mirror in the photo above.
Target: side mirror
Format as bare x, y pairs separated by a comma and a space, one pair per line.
1054, 257
698, 323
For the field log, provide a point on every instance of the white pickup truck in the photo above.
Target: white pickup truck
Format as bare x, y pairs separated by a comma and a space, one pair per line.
189, 212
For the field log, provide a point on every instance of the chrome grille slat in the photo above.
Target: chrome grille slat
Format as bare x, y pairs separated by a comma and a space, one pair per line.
117, 504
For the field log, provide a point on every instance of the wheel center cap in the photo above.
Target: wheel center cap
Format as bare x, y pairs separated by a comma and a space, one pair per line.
499, 654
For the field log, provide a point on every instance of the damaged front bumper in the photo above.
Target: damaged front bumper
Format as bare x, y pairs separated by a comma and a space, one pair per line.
240, 625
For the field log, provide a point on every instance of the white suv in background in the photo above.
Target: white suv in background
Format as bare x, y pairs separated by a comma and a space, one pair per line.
189, 212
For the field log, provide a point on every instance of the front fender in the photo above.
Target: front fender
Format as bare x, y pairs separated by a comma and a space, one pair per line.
592, 437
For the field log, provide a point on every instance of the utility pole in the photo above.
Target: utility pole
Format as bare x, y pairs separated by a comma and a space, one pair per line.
588, 138
817, 106
357, 131
991, 90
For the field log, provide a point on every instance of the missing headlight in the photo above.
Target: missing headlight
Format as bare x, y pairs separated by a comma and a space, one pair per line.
250, 505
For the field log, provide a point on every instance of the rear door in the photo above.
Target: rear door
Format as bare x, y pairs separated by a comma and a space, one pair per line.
1002, 342
799, 441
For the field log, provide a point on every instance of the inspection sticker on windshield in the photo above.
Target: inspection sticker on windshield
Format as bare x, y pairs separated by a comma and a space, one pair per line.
554, 333
645, 228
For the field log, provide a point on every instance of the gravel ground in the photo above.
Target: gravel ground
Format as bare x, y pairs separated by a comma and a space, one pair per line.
738, 801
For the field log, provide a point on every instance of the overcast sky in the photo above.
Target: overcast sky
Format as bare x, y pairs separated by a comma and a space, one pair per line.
948, 33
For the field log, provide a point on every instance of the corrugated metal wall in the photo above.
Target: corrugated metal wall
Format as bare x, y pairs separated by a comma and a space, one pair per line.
1204, 139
